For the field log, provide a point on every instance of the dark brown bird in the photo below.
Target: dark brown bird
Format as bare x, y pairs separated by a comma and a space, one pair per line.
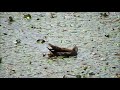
58, 51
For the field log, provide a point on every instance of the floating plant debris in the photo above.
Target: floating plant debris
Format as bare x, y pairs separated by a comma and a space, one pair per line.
117, 54
30, 62
104, 14
64, 76
40, 41
18, 41
53, 15
12, 72
64, 30
78, 76
45, 37
85, 68
91, 73
113, 67
27, 16
107, 36
44, 54
38, 19
0, 60
10, 20
118, 75
107, 63
5, 33
45, 67
33, 27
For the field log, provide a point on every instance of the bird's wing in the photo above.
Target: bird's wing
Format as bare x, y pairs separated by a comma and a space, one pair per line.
58, 49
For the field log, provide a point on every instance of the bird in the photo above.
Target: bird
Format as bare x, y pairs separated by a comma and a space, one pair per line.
58, 51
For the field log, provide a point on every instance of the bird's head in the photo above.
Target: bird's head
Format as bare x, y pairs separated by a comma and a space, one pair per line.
75, 48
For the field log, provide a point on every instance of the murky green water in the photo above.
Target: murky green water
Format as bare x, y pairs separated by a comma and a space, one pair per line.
97, 37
